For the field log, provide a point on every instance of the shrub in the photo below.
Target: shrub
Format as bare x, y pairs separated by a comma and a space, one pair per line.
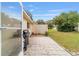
65, 27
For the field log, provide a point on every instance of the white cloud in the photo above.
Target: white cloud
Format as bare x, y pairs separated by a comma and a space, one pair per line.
11, 7
8, 6
37, 15
30, 5
57, 10
31, 10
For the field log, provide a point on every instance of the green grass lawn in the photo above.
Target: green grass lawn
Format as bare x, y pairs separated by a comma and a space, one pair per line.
69, 40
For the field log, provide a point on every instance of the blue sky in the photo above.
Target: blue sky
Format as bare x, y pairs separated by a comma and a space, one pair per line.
48, 10
39, 10
12, 9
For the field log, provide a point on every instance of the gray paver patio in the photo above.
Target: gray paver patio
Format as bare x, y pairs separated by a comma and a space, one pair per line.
44, 46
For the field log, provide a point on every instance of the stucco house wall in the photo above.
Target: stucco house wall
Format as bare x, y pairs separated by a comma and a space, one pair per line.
24, 24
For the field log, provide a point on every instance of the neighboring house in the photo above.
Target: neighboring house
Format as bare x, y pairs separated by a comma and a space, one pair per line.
35, 28
9, 22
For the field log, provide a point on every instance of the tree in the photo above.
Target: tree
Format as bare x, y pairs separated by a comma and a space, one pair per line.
50, 24
40, 21
66, 21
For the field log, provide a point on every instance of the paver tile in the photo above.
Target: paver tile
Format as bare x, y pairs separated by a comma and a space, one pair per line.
44, 46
